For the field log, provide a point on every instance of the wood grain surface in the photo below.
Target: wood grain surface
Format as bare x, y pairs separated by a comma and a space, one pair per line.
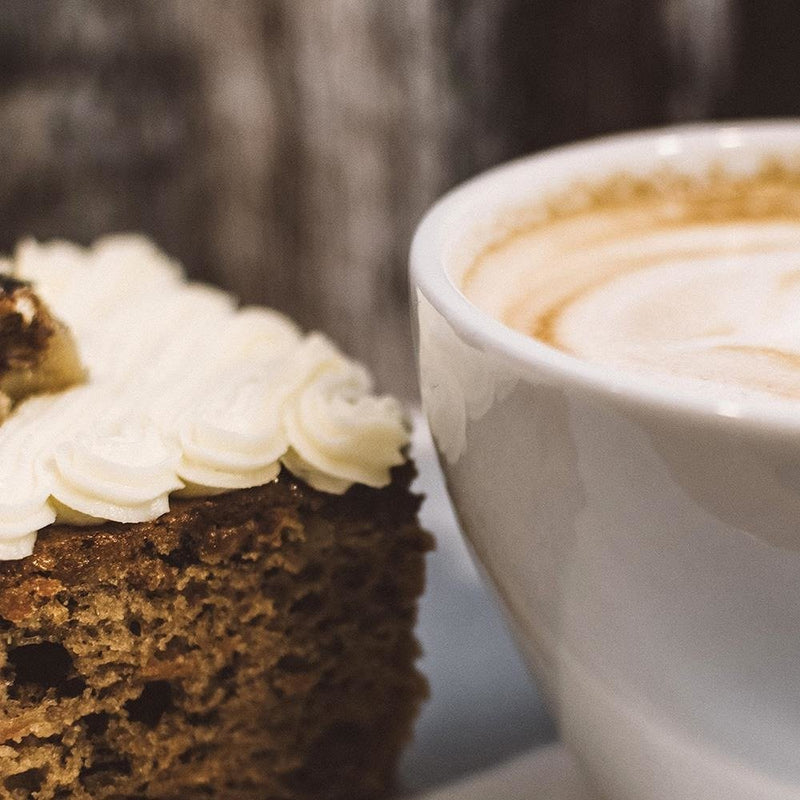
285, 149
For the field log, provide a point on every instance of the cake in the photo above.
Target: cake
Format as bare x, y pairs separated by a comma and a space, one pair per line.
209, 552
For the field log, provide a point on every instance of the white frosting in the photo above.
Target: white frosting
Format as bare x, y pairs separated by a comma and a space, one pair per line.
339, 433
187, 395
712, 307
123, 471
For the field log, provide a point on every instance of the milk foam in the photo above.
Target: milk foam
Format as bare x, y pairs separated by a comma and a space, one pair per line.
661, 286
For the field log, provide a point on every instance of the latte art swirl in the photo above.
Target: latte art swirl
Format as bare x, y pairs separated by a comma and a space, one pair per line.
702, 293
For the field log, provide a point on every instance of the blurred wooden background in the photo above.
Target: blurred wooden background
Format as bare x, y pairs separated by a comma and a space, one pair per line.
285, 149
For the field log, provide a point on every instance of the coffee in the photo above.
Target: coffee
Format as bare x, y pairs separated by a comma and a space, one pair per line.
693, 281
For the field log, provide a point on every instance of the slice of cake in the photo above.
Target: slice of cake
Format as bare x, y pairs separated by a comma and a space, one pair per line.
210, 554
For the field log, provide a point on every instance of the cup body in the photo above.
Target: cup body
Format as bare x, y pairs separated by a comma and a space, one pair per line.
645, 544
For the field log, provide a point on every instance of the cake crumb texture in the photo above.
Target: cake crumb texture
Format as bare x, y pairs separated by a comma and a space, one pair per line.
256, 644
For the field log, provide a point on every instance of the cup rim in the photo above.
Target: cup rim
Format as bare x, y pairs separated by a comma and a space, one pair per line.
489, 192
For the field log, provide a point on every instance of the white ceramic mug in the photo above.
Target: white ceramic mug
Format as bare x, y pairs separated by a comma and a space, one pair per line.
645, 543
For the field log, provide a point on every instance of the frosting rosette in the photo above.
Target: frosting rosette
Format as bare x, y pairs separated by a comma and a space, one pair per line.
339, 433
124, 473
24, 507
258, 333
24, 483
233, 440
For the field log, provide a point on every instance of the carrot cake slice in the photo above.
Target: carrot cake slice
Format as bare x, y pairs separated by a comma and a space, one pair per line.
209, 554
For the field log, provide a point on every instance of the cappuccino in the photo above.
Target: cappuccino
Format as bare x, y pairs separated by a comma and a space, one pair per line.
639, 522
693, 281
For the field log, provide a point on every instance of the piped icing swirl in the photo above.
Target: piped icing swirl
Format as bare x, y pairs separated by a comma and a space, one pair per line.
187, 395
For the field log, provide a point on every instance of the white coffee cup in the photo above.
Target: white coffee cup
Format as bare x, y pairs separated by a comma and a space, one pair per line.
644, 541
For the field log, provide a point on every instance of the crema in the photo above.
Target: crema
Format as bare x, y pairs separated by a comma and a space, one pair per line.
691, 281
